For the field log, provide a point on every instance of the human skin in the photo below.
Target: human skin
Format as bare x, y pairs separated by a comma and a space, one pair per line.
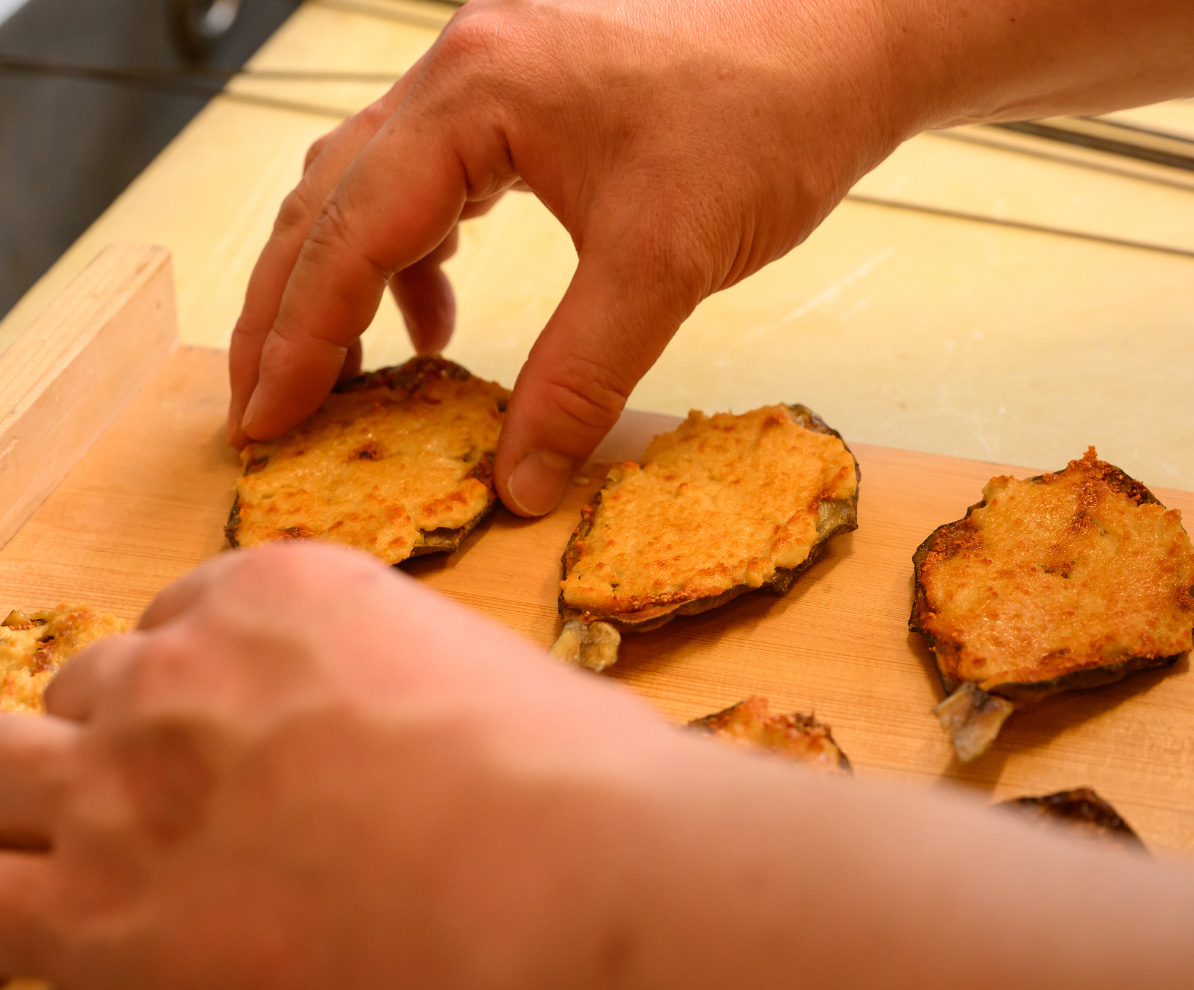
682, 145
304, 770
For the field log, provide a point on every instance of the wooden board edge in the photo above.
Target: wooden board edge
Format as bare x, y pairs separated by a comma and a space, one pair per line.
65, 379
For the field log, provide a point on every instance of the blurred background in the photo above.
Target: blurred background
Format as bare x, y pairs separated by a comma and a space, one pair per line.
69, 143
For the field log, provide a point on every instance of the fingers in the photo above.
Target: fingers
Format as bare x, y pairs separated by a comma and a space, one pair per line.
394, 206
352, 363
33, 775
316, 149
83, 680
268, 280
424, 295
618, 314
25, 884
178, 598
323, 168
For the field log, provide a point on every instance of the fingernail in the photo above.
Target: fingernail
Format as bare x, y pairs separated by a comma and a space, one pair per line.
538, 481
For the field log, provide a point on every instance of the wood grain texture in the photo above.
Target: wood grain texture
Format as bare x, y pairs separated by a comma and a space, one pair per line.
75, 367
149, 501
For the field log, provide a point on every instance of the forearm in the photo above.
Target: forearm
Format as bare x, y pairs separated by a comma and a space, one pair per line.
739, 871
1019, 59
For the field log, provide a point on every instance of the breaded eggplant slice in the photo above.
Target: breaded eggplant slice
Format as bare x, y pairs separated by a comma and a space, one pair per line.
799, 737
33, 645
398, 462
1067, 580
722, 505
1081, 810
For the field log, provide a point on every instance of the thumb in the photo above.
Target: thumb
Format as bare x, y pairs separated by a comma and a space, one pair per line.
612, 324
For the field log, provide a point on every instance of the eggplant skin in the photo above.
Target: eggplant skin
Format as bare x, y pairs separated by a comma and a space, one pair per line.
795, 736
233, 524
397, 462
836, 517
1081, 810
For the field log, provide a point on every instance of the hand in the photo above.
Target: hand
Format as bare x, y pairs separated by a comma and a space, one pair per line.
682, 146
303, 770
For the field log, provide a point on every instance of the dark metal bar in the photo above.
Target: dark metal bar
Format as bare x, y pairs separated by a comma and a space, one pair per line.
1095, 142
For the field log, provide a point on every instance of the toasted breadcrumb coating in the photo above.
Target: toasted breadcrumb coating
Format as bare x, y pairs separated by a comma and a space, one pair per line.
801, 737
1074, 571
397, 462
33, 645
722, 503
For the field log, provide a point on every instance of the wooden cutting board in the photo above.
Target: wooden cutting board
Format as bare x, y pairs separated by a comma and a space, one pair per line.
147, 500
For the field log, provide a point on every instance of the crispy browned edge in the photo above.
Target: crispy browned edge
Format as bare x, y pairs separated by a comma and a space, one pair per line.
410, 377
1027, 692
651, 617
1081, 807
803, 723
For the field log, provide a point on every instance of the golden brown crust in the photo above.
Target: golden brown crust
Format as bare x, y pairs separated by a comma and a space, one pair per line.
1068, 580
398, 462
33, 645
1083, 812
800, 737
721, 506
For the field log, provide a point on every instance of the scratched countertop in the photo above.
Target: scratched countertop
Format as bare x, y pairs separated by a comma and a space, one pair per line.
981, 294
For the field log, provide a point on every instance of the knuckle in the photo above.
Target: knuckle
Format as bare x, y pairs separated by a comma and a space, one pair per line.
331, 228
245, 332
373, 116
588, 394
315, 151
288, 329
487, 44
296, 210
471, 36
152, 671
304, 582
265, 567
334, 235
293, 564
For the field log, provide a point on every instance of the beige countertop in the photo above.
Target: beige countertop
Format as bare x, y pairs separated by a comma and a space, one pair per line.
973, 298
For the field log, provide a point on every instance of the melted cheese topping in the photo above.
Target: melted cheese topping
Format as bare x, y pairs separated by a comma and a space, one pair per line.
33, 647
721, 502
1054, 577
377, 467
801, 737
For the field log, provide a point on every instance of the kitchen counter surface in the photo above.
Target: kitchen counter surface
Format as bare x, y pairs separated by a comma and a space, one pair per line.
981, 294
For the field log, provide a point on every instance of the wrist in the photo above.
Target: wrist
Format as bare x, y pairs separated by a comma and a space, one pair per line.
1015, 60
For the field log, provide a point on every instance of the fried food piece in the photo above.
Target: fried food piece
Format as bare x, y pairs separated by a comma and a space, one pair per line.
1082, 811
398, 462
33, 645
1068, 580
722, 505
799, 737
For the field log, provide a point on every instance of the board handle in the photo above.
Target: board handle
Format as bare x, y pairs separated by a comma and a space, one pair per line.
65, 379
